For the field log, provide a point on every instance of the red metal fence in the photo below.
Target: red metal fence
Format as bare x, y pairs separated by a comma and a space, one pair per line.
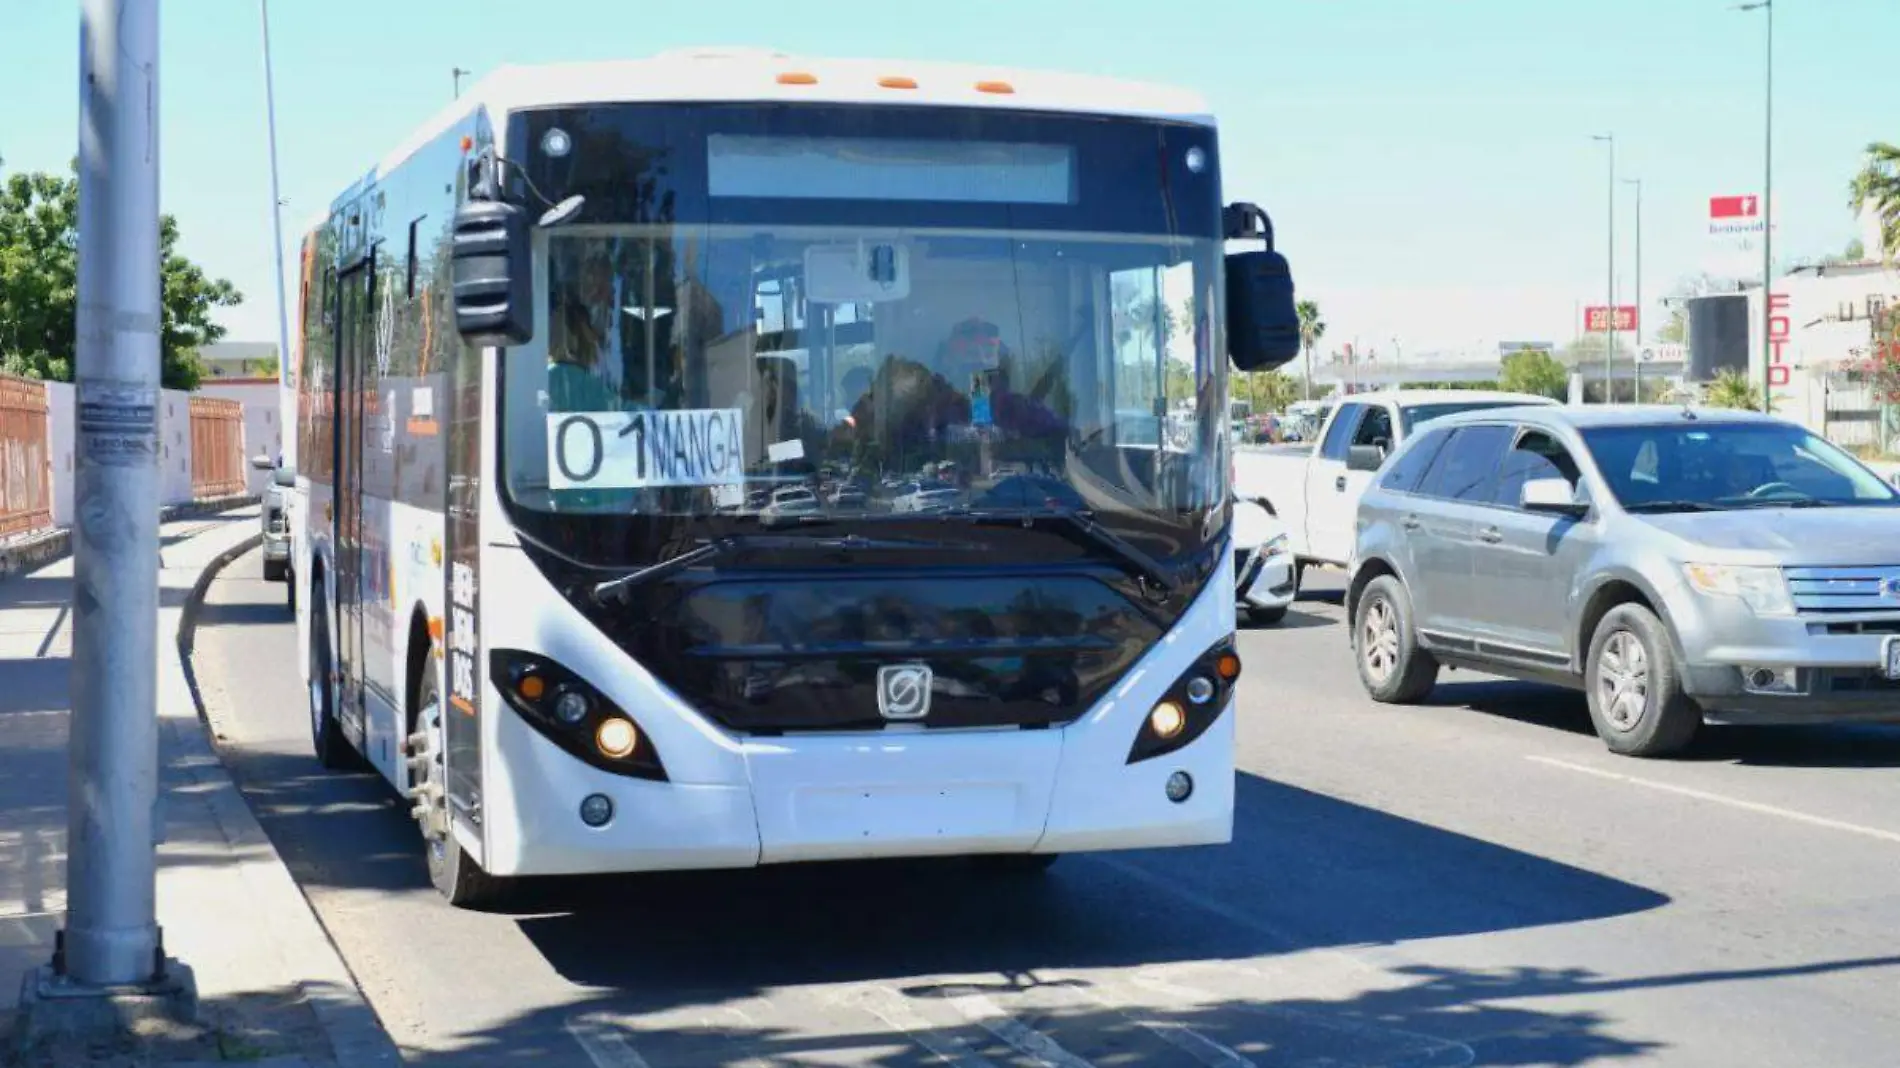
26, 481
217, 448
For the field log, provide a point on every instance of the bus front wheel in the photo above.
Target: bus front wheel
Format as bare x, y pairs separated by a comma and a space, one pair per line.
333, 749
456, 875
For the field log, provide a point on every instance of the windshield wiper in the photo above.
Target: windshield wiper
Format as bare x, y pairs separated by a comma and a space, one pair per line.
618, 588
1673, 506
1131, 557
1126, 553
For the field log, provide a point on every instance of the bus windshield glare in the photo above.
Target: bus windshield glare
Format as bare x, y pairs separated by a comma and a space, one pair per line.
774, 312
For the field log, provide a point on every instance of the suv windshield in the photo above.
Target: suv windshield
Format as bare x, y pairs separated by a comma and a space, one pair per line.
1699, 466
895, 321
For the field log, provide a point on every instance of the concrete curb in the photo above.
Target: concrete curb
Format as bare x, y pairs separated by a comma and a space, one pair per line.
356, 1035
43, 547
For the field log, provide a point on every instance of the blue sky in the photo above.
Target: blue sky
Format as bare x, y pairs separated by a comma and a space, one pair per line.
1428, 164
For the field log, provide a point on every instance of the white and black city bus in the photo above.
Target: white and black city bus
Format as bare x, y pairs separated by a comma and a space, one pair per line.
727, 459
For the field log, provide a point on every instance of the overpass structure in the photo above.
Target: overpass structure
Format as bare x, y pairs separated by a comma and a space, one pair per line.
1376, 374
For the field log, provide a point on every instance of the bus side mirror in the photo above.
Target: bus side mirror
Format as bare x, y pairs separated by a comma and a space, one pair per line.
492, 274
262, 462
285, 477
1263, 327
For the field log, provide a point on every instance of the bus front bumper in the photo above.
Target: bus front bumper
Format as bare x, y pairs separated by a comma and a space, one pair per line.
884, 795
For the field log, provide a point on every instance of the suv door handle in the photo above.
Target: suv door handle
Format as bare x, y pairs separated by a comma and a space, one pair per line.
1491, 535
1340, 483
1410, 522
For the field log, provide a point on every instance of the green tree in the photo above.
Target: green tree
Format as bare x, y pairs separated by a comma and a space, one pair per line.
1535, 371
1270, 391
1877, 188
1732, 389
1312, 328
39, 271
1676, 330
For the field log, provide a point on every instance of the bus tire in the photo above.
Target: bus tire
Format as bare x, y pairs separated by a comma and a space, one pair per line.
333, 749
455, 875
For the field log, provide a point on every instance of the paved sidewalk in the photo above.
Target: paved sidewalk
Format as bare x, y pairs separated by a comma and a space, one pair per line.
272, 988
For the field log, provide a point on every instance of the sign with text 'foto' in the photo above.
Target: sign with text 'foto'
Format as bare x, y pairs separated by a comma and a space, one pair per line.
637, 450
1596, 319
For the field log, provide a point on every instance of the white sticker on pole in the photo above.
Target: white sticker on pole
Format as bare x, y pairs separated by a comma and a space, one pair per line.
637, 450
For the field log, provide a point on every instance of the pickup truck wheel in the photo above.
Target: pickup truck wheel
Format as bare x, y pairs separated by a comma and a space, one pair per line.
1635, 691
1393, 669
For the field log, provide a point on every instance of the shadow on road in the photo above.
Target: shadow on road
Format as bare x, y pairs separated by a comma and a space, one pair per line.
1433, 1016
1339, 873
1819, 746
1293, 620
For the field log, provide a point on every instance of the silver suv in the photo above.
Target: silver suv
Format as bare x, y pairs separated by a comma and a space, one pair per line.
1680, 566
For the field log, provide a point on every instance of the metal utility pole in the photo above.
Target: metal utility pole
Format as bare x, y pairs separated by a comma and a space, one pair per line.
111, 934
458, 73
1638, 361
277, 235
1609, 325
1767, 8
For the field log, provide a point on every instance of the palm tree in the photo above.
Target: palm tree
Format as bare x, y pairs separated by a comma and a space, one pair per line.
1732, 389
1312, 328
1877, 188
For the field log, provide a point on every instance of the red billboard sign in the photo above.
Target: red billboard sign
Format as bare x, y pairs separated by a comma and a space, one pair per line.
1742, 207
1597, 320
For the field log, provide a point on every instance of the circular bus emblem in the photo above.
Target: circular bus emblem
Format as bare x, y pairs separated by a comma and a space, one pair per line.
903, 691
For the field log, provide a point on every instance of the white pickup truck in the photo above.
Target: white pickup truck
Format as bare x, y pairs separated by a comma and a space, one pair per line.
1315, 489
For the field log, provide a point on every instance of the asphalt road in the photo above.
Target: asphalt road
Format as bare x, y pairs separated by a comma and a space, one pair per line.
1473, 882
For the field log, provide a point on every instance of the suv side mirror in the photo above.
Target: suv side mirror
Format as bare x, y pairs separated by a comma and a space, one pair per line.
1263, 325
1364, 458
491, 268
1553, 495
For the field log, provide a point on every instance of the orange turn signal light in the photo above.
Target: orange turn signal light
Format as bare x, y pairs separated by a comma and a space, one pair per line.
995, 87
1227, 667
797, 77
532, 687
897, 83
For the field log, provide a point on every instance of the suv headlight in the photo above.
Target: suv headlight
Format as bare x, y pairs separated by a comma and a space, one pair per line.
1763, 589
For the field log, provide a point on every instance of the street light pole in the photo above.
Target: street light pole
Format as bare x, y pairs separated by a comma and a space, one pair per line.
457, 74
277, 235
1609, 345
1767, 8
1638, 394
111, 936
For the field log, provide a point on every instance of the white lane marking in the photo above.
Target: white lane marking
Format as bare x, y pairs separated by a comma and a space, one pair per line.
1723, 799
1014, 1033
1430, 1046
895, 1010
739, 1046
1182, 1037
603, 1043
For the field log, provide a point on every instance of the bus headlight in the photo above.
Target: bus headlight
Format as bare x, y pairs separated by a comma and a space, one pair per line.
616, 738
572, 714
1191, 705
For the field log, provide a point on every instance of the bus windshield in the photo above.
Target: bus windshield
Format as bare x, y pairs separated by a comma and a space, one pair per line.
896, 356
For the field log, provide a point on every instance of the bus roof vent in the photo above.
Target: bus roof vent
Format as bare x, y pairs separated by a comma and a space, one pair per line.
723, 52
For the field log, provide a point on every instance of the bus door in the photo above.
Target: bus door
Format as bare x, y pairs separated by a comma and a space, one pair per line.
356, 319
